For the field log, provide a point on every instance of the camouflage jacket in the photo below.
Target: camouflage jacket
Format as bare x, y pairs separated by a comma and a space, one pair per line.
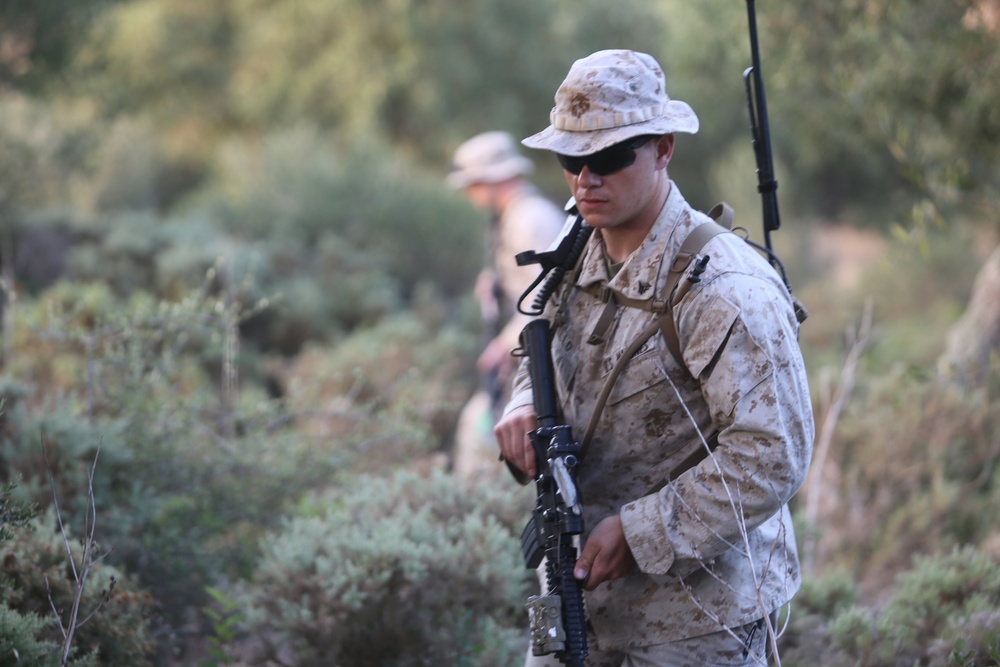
715, 547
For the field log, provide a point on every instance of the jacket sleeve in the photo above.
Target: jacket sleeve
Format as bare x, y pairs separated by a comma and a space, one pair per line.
521, 393
738, 336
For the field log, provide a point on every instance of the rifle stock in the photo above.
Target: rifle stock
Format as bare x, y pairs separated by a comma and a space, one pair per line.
558, 619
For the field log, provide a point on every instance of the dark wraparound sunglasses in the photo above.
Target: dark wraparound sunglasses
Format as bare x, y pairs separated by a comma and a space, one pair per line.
611, 159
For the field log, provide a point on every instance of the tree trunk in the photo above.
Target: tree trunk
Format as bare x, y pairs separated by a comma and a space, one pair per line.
975, 338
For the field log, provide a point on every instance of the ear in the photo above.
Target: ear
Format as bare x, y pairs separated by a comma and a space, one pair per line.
664, 150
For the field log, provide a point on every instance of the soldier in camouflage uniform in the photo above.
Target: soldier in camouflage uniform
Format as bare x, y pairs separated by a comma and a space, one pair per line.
689, 571
493, 176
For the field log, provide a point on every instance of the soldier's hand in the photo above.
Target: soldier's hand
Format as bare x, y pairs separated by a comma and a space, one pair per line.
605, 556
515, 444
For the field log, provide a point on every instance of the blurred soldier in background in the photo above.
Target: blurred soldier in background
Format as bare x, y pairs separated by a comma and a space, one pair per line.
492, 175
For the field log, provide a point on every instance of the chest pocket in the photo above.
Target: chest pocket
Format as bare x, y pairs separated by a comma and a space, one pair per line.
642, 372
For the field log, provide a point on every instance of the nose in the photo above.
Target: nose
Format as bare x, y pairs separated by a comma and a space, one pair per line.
588, 179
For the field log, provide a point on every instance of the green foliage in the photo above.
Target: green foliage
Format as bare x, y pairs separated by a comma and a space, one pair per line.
397, 572
938, 598
191, 479
345, 234
39, 39
13, 514
380, 69
20, 641
941, 612
902, 89
225, 620
944, 611
827, 595
36, 578
400, 386
939, 498
128, 379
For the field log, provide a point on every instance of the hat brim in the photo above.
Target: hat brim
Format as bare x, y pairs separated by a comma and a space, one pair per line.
495, 173
679, 117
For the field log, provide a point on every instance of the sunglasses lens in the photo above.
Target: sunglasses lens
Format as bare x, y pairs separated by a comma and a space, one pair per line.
611, 160
603, 163
570, 163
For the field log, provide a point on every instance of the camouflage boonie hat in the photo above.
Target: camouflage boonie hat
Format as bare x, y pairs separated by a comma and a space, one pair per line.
490, 157
608, 97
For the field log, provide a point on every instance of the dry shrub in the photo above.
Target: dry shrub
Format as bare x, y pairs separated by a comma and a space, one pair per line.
913, 470
395, 572
36, 577
391, 392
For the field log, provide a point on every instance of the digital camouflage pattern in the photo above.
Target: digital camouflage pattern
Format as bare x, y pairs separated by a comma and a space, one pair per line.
608, 97
698, 571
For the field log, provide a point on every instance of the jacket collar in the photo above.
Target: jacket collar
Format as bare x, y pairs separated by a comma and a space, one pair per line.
640, 275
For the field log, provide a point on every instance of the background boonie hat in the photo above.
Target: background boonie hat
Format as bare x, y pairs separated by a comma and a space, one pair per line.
608, 97
490, 157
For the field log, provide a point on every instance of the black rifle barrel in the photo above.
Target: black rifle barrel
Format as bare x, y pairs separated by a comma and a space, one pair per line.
536, 339
760, 129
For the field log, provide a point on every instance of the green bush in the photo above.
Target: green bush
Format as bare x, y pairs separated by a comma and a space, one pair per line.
299, 185
919, 460
21, 643
403, 571
942, 612
945, 598
190, 476
387, 394
37, 576
827, 595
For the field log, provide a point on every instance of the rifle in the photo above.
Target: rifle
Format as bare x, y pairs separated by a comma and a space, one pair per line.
557, 619
556, 261
760, 133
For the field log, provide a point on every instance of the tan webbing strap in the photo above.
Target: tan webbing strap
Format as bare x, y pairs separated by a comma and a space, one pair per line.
722, 213
674, 290
595, 416
600, 332
692, 245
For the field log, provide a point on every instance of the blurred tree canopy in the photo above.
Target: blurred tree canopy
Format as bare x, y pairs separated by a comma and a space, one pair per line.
38, 39
882, 97
422, 75
871, 101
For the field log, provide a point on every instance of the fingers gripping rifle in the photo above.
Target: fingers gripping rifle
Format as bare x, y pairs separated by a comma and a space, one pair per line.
557, 619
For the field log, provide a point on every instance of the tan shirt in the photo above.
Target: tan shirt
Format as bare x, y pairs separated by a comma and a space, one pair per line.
698, 571
529, 222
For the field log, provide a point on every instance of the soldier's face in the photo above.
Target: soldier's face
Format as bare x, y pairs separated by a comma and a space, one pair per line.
479, 195
624, 199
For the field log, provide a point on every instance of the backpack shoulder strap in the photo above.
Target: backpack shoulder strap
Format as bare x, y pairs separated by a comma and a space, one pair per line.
674, 290
690, 249
722, 213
